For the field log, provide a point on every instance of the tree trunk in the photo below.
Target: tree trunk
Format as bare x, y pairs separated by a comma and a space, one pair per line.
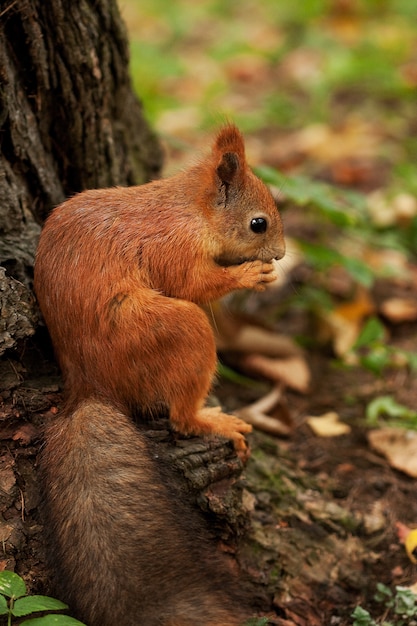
69, 121
68, 118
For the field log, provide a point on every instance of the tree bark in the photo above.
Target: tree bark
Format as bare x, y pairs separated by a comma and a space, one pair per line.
68, 117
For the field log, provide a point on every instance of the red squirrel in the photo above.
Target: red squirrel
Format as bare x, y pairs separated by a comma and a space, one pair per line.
120, 277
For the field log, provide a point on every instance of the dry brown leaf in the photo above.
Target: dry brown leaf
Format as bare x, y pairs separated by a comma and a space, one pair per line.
355, 138
261, 340
399, 310
247, 68
292, 371
269, 414
405, 206
236, 333
402, 531
384, 211
302, 65
380, 210
328, 425
399, 446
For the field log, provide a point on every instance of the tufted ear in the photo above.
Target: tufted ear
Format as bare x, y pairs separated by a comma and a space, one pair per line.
229, 139
228, 167
229, 153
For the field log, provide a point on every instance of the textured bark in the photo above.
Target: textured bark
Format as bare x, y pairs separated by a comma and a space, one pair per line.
211, 470
68, 117
17, 312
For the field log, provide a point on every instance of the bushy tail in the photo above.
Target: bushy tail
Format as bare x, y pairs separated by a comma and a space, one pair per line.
128, 549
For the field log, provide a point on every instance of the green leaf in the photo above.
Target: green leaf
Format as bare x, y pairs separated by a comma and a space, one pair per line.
339, 206
4, 609
257, 621
359, 271
376, 360
405, 602
362, 617
11, 585
321, 256
411, 358
387, 405
383, 594
31, 604
52, 620
230, 374
372, 332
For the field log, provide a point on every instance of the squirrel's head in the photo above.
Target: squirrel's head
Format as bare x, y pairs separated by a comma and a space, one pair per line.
244, 214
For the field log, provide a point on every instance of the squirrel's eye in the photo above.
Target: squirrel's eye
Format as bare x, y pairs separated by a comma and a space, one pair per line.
258, 225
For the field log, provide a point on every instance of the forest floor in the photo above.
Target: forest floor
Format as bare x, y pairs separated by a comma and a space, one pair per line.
325, 91
326, 507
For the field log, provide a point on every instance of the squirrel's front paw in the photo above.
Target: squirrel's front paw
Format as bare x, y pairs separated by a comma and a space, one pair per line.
228, 426
255, 274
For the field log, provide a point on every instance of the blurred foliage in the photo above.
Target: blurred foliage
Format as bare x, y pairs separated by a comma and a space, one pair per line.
313, 61
325, 93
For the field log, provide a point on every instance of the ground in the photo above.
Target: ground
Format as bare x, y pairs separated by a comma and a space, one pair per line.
325, 509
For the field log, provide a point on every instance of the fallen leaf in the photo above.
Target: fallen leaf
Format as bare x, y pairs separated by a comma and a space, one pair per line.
354, 138
399, 310
393, 263
408, 537
5, 534
292, 371
247, 68
405, 206
398, 445
239, 333
380, 209
302, 65
345, 468
344, 323
375, 520
397, 572
402, 531
269, 414
328, 425
400, 209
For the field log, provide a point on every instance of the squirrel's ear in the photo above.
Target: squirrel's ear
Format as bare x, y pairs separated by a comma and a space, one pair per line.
229, 152
228, 168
